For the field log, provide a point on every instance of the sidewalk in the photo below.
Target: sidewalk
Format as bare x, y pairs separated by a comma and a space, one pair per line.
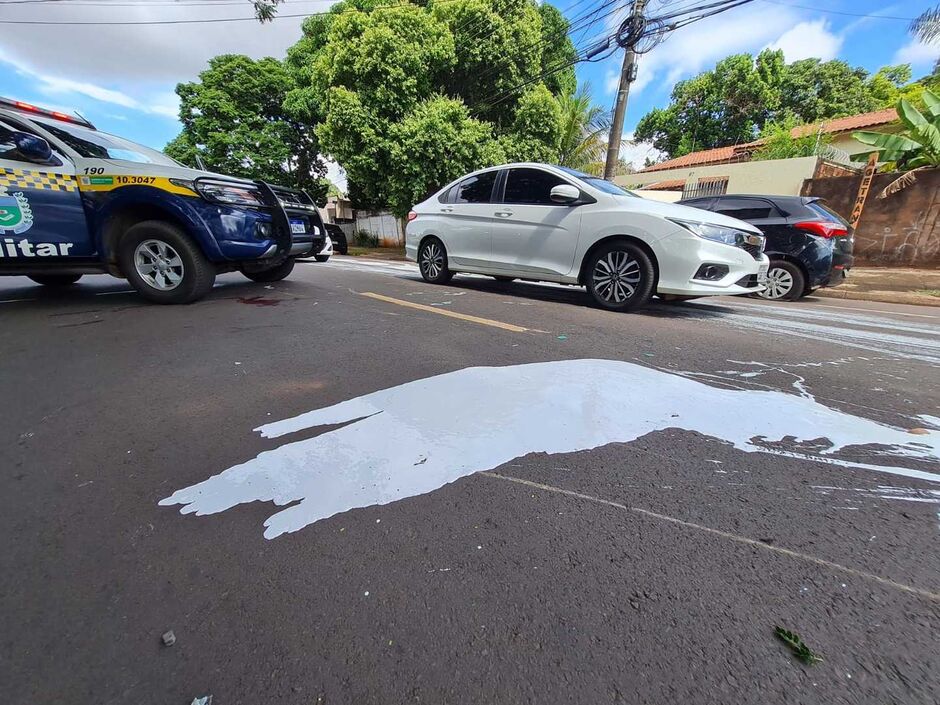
894, 285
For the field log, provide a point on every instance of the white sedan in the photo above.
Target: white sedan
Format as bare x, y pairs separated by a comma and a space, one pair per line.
547, 223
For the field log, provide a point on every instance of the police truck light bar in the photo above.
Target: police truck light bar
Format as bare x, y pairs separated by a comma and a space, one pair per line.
29, 108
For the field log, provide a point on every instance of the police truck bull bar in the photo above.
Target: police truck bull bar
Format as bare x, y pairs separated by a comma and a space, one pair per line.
285, 205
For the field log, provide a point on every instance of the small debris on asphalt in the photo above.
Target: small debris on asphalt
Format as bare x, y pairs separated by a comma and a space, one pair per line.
168, 638
799, 649
204, 700
563, 337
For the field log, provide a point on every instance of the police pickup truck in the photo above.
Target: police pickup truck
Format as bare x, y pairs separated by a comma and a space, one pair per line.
77, 201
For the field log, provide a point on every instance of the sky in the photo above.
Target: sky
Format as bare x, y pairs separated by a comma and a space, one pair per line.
122, 76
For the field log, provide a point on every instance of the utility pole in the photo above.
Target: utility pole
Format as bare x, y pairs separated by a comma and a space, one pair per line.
627, 76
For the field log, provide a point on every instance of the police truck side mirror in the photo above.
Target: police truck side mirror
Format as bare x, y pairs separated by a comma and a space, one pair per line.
32, 147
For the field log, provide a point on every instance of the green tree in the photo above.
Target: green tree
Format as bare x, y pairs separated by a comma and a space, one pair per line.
778, 141
732, 103
584, 131
721, 107
926, 27
375, 76
815, 90
234, 121
915, 148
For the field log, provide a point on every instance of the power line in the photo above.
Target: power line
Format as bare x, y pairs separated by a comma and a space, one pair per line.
839, 12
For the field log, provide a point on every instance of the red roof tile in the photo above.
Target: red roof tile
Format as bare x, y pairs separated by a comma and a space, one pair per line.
667, 185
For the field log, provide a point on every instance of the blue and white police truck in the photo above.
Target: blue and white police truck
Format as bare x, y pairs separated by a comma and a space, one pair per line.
77, 201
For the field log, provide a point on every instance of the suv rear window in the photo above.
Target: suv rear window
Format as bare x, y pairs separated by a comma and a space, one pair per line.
820, 208
745, 208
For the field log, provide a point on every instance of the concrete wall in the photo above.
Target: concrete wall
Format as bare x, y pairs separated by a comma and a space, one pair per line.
902, 229
386, 227
782, 177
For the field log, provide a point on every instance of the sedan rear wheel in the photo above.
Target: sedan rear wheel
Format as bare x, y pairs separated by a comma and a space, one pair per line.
432, 261
620, 277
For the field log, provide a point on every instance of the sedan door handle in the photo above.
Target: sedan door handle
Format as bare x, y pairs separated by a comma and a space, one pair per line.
503, 214
447, 210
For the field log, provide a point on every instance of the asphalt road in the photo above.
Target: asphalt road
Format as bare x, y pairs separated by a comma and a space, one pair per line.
651, 565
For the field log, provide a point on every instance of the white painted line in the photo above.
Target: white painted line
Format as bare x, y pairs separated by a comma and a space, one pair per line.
799, 555
15, 301
109, 293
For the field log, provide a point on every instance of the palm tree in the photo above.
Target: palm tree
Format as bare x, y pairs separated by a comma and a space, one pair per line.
584, 131
927, 26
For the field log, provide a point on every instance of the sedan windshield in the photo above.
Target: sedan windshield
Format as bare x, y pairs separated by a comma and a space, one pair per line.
598, 183
100, 145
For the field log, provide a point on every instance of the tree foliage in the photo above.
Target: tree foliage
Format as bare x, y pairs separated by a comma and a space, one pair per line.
916, 147
584, 131
234, 121
735, 101
410, 97
778, 141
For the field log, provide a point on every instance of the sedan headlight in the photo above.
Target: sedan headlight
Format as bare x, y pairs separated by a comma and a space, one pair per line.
715, 233
231, 194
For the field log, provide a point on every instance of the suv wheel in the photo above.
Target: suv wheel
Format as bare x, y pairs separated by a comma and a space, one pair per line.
55, 279
163, 264
785, 282
432, 261
619, 277
272, 274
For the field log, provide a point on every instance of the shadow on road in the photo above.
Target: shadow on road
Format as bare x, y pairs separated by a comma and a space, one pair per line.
577, 296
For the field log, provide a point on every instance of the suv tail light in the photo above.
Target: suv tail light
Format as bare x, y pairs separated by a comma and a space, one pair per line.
822, 229
411, 216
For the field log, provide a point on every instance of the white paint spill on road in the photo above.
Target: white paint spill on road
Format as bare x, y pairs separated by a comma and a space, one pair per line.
416, 437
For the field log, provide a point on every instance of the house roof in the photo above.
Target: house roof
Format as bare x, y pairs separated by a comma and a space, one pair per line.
741, 152
667, 185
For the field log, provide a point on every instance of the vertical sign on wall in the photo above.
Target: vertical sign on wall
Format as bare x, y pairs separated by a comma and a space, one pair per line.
863, 189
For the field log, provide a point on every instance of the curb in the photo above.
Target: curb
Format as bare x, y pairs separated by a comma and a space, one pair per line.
888, 297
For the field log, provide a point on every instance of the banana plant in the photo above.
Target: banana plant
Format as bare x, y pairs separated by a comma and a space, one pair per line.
915, 148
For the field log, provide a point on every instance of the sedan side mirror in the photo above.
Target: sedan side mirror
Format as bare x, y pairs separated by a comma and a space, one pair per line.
564, 194
32, 148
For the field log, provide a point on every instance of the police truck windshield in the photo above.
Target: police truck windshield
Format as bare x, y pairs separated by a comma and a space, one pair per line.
99, 145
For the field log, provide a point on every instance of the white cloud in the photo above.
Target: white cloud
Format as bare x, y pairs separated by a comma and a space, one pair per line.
809, 40
918, 54
636, 153
336, 174
692, 49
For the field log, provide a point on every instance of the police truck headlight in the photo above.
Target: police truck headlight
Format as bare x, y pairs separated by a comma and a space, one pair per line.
715, 233
230, 194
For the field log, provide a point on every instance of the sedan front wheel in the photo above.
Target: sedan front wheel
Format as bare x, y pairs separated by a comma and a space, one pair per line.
620, 277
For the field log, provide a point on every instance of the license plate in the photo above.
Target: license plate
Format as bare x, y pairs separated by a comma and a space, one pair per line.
298, 227
762, 274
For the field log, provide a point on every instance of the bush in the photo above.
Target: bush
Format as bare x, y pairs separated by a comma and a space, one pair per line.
363, 238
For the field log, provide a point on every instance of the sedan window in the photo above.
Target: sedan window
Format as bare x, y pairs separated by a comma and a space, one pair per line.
476, 189
531, 186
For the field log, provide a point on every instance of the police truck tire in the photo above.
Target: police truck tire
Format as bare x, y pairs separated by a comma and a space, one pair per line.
163, 264
55, 279
272, 274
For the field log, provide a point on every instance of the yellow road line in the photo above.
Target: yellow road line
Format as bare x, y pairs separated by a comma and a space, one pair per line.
444, 312
920, 592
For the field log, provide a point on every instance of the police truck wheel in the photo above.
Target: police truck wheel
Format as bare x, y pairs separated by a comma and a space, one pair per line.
163, 264
271, 274
55, 279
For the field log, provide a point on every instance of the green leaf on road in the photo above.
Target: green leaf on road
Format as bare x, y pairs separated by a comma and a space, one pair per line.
799, 649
